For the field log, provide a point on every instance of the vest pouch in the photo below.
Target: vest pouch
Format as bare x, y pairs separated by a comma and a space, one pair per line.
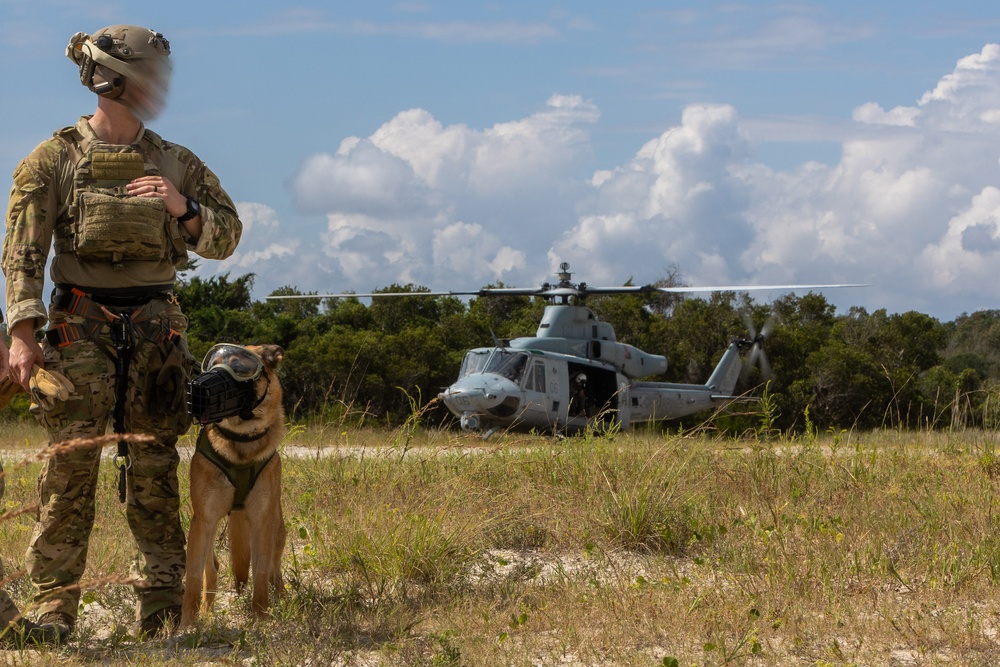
116, 229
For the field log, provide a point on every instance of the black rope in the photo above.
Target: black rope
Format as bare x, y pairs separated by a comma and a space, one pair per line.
123, 339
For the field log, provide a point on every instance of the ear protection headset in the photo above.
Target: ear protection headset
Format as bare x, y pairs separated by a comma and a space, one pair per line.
104, 81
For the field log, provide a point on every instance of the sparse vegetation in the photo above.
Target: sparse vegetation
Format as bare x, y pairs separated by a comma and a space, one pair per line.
433, 548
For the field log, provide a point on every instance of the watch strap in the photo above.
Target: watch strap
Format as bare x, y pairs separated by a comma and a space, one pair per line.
193, 209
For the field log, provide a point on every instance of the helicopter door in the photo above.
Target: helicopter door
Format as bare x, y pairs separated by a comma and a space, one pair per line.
535, 406
558, 391
604, 395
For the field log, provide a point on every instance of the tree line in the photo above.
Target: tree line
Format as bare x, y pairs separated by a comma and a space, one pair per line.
830, 371
348, 360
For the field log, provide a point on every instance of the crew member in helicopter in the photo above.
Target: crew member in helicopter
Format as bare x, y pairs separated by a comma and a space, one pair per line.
120, 208
579, 402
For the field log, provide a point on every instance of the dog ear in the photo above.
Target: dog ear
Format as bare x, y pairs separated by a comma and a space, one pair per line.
272, 355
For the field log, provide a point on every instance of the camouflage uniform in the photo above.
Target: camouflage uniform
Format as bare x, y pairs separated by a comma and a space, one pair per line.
41, 214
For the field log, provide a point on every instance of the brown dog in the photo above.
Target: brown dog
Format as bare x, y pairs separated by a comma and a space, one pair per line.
241, 450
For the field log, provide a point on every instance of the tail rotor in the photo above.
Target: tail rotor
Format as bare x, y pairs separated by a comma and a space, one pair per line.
758, 357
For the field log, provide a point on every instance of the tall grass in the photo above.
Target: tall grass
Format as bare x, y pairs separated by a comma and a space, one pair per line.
434, 548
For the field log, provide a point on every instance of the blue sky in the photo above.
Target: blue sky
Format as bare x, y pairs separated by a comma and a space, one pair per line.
455, 144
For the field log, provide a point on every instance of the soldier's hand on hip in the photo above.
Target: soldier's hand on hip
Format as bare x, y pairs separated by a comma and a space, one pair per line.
158, 187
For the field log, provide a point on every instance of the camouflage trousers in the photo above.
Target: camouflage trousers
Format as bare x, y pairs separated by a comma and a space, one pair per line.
67, 485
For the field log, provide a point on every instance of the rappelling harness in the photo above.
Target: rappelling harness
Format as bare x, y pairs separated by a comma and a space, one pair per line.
136, 322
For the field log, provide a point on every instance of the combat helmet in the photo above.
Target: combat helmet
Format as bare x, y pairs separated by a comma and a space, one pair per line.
118, 58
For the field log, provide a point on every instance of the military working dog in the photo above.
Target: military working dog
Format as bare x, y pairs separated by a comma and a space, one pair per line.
236, 471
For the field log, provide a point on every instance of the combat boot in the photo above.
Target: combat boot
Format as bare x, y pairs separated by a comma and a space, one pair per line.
164, 621
57, 623
25, 633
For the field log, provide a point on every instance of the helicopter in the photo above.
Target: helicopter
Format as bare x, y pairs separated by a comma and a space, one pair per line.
574, 373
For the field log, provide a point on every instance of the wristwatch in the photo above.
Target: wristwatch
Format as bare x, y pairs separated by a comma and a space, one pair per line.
193, 210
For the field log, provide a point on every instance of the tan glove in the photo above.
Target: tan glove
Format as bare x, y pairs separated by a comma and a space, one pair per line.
47, 387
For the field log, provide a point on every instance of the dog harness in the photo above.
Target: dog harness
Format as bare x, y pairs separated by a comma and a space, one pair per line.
243, 476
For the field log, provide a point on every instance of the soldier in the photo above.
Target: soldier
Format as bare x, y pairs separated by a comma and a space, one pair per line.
120, 208
579, 402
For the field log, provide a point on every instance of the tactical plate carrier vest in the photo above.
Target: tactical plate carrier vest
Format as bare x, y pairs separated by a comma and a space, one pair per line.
109, 225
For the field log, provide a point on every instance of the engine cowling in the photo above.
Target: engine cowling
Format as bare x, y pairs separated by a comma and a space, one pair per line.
630, 361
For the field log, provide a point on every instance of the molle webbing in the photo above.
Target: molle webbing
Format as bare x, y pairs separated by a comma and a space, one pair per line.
242, 477
117, 166
120, 228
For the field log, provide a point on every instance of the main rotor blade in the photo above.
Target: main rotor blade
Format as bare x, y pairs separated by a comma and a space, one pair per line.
747, 288
347, 295
582, 290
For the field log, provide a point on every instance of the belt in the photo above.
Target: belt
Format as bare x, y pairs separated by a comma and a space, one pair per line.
133, 297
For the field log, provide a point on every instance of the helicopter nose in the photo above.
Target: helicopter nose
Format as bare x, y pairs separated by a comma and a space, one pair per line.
482, 394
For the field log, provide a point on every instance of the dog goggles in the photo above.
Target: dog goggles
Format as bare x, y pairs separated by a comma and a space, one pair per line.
238, 361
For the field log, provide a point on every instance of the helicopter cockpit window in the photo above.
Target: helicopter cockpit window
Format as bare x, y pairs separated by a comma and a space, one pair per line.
508, 364
474, 362
535, 380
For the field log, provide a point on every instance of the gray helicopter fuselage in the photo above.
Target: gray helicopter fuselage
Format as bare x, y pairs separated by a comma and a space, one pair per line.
533, 382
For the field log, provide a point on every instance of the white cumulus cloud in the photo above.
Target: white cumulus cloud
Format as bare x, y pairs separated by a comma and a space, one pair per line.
418, 201
678, 201
891, 212
912, 206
